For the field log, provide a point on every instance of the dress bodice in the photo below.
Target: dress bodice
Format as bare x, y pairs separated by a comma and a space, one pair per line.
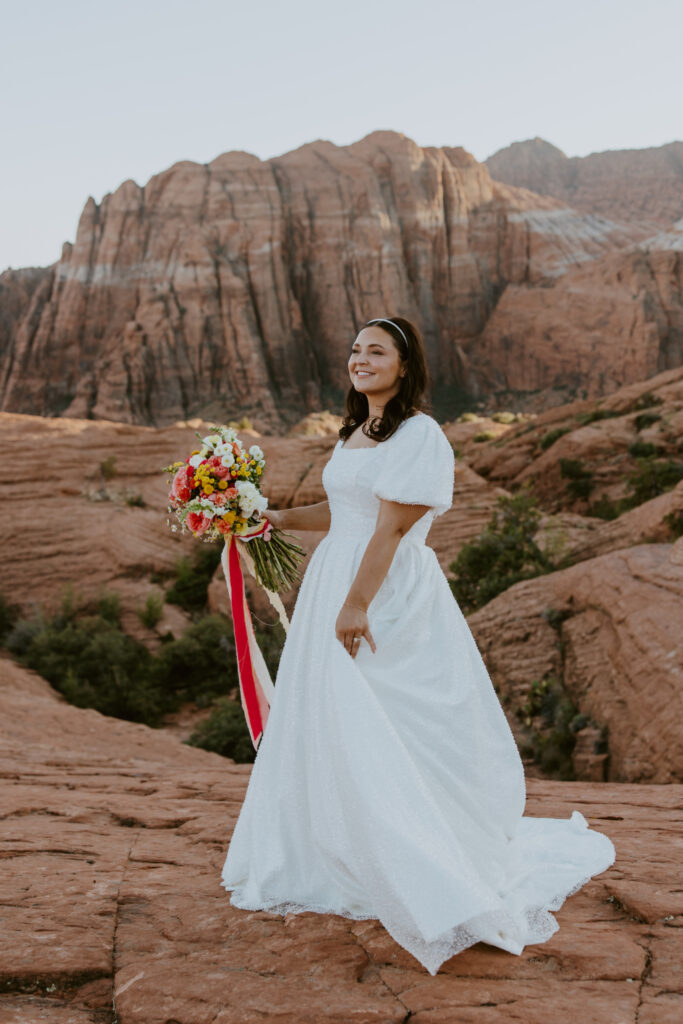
414, 466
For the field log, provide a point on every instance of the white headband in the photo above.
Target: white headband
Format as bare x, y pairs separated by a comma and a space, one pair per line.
383, 319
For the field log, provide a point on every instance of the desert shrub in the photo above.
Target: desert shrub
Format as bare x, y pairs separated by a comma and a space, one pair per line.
484, 435
108, 467
225, 732
9, 614
92, 662
646, 401
605, 507
503, 554
646, 419
108, 606
642, 449
202, 664
504, 417
150, 614
652, 477
553, 720
192, 578
674, 520
468, 417
580, 479
88, 658
552, 436
199, 665
585, 418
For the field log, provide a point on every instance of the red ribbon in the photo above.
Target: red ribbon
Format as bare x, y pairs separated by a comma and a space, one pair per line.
255, 703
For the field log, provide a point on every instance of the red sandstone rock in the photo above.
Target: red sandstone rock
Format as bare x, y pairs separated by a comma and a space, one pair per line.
237, 286
113, 836
618, 651
641, 186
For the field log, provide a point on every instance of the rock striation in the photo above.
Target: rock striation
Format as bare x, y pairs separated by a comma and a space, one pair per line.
236, 287
628, 185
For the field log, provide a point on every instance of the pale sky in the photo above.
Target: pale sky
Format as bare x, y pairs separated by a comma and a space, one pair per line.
95, 93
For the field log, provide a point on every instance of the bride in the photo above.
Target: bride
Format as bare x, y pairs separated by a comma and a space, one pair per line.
387, 783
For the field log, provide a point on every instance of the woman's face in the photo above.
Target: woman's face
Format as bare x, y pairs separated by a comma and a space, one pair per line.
374, 364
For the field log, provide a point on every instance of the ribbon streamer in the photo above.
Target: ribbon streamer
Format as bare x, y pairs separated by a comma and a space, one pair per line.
256, 686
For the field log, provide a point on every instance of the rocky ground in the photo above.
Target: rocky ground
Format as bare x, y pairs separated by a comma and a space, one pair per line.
112, 840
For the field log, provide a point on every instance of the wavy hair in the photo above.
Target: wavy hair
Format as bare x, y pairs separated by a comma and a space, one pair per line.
407, 401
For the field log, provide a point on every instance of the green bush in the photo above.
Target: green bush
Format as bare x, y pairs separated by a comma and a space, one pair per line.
584, 418
199, 665
552, 436
580, 479
202, 664
651, 478
9, 613
642, 449
225, 732
89, 659
646, 401
108, 467
606, 508
484, 435
503, 554
674, 520
92, 662
553, 721
646, 419
150, 614
189, 590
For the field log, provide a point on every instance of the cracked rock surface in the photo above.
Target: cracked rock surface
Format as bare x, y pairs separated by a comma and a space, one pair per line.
113, 836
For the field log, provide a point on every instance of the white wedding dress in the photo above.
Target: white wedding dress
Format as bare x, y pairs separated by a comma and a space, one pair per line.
389, 785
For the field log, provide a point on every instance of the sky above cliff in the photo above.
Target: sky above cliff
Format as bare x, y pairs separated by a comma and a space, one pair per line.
96, 93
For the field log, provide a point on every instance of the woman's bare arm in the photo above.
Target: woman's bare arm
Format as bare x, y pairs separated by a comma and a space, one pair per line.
304, 517
393, 520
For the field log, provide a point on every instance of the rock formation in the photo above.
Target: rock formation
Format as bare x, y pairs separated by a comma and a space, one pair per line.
113, 838
236, 287
643, 186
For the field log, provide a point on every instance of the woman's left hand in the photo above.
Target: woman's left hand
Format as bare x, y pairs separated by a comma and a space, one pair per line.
352, 624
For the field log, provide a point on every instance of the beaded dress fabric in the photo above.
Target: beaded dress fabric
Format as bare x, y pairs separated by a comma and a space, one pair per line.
389, 786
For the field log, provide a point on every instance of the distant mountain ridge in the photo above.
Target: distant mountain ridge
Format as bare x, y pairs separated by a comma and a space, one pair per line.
236, 288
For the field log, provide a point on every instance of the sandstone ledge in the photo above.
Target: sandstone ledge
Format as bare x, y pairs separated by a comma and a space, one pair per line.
113, 837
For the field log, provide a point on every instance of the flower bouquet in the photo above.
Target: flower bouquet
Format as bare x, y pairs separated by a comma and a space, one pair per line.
215, 493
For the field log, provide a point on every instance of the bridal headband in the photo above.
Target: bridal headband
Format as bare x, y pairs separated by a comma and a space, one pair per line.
383, 319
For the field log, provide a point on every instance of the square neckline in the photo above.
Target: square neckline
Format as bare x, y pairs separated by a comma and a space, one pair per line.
371, 447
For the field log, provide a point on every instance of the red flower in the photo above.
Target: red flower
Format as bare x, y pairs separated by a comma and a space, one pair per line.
197, 522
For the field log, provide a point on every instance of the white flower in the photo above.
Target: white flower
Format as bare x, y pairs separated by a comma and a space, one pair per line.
211, 440
225, 454
248, 496
195, 461
256, 452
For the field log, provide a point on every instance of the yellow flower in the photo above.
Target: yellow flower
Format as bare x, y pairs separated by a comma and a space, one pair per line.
195, 452
208, 489
222, 484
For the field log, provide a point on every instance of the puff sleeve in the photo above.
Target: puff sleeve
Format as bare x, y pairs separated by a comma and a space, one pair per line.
418, 467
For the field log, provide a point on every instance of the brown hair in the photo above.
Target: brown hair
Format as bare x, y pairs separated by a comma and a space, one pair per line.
408, 399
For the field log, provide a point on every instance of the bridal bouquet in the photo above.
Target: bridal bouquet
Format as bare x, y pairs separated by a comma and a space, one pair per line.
215, 493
